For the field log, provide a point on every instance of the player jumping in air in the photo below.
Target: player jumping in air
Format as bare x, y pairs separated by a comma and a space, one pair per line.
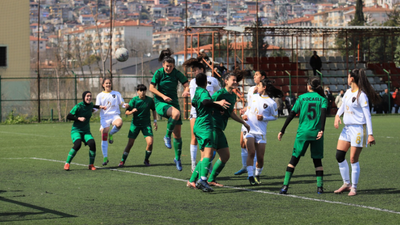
312, 108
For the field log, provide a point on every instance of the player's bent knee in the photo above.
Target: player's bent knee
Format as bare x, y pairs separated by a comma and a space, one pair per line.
92, 145
104, 136
340, 156
294, 161
317, 163
77, 145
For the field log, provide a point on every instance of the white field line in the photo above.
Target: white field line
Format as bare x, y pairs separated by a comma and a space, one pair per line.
229, 187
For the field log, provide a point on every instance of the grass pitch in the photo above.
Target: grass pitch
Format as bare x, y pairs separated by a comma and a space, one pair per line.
34, 188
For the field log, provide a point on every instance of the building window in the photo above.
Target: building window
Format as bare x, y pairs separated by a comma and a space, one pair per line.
3, 56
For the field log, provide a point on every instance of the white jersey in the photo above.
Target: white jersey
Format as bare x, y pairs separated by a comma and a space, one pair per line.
250, 94
112, 100
212, 87
261, 105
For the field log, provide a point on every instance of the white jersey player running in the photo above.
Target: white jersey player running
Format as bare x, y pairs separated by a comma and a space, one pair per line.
111, 116
262, 109
356, 112
258, 76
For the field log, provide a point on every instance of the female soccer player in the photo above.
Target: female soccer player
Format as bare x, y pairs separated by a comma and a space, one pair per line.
111, 116
164, 86
80, 131
231, 80
140, 107
203, 129
356, 115
312, 108
258, 76
212, 86
262, 109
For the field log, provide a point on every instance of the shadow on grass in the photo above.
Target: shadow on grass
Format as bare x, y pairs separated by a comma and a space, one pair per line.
21, 215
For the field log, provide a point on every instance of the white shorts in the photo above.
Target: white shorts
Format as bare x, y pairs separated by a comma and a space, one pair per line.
193, 113
106, 121
355, 134
258, 138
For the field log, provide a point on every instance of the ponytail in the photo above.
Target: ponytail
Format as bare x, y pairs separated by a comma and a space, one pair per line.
363, 85
165, 56
315, 84
270, 89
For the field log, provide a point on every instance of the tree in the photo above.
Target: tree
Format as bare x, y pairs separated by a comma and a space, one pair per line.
262, 44
358, 19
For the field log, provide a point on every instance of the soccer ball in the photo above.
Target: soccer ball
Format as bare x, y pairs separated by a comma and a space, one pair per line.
122, 54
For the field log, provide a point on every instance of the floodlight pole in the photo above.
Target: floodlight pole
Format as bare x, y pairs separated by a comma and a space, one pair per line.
111, 35
38, 63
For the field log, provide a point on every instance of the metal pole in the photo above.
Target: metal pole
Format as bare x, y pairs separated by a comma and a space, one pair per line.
51, 115
186, 108
76, 89
111, 34
1, 115
388, 74
38, 65
257, 49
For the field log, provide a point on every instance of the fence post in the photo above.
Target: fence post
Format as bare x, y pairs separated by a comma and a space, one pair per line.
51, 115
1, 115
290, 82
389, 78
76, 88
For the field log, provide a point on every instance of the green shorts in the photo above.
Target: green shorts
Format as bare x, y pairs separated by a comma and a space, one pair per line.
220, 139
85, 137
317, 148
162, 108
134, 131
205, 137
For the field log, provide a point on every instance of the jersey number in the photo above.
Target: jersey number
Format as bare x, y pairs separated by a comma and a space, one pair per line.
312, 112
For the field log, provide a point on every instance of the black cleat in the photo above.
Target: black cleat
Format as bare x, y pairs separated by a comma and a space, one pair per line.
252, 181
258, 180
284, 189
320, 190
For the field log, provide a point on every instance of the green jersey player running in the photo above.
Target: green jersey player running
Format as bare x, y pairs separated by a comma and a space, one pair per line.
140, 107
80, 130
312, 108
164, 86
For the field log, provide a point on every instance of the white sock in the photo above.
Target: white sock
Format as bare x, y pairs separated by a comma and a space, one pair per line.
250, 171
258, 171
114, 130
344, 171
104, 148
193, 153
244, 158
255, 160
355, 174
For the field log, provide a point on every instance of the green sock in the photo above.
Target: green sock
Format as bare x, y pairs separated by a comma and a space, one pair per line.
124, 156
178, 148
218, 166
288, 175
147, 156
170, 126
320, 178
71, 155
92, 156
196, 172
205, 164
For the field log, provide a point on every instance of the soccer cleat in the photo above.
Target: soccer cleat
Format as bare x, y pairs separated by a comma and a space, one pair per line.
257, 179
66, 166
105, 161
146, 162
353, 192
91, 167
121, 164
344, 187
167, 142
203, 185
241, 171
110, 139
215, 183
191, 185
178, 164
252, 181
320, 190
284, 190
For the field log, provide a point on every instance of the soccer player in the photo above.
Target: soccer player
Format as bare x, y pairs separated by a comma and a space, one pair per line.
312, 108
140, 107
80, 130
212, 86
258, 76
164, 86
203, 129
110, 116
262, 109
231, 80
356, 112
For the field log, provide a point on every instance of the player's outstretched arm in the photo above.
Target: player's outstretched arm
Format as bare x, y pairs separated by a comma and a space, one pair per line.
240, 120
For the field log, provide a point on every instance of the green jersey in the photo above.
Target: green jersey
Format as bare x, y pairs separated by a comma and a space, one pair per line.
204, 114
167, 84
82, 110
309, 106
221, 118
142, 116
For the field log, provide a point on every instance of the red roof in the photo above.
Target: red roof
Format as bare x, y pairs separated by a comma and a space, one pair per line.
33, 38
